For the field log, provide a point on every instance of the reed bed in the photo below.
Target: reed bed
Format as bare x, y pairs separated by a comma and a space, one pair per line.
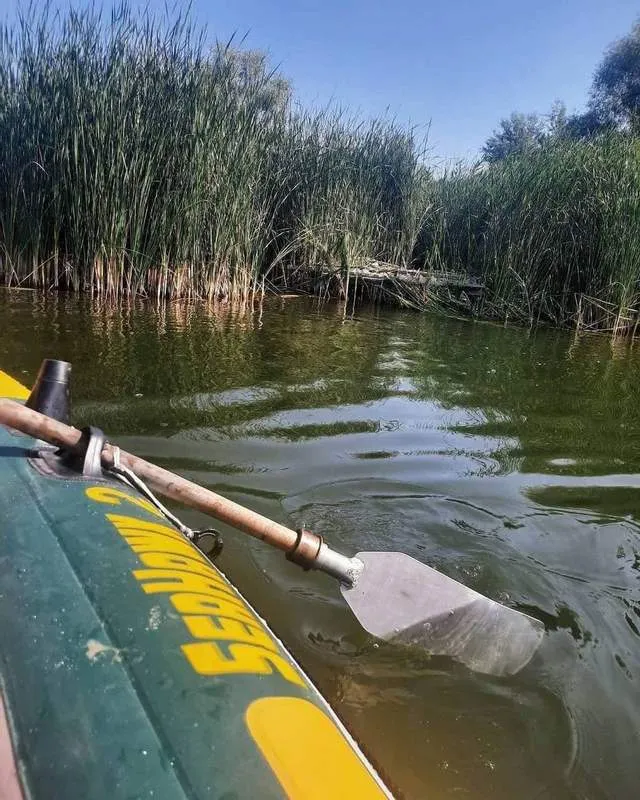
137, 160
554, 234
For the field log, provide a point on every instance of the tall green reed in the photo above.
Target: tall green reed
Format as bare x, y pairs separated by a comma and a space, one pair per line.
136, 159
554, 234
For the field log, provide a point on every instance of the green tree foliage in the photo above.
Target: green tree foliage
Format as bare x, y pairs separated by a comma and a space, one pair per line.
615, 95
515, 135
557, 118
614, 104
585, 125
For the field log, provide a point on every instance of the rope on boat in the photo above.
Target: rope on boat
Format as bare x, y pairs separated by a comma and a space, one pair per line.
208, 540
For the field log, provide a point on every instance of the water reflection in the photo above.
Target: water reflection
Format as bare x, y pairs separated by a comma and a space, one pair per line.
505, 458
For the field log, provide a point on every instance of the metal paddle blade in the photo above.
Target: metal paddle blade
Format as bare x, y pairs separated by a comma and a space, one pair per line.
401, 600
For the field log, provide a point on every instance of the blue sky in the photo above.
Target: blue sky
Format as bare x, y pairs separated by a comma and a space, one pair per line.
457, 65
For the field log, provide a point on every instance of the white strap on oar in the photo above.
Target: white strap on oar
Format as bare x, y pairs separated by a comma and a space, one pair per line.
131, 479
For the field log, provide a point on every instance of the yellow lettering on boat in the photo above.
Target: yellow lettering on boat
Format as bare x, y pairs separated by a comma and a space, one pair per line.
130, 526
172, 580
163, 560
113, 497
228, 630
144, 543
235, 640
208, 604
207, 658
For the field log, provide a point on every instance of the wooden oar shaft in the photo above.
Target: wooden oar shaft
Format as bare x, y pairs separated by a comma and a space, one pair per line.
14, 415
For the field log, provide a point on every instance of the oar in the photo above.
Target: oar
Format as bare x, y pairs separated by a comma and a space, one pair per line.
393, 596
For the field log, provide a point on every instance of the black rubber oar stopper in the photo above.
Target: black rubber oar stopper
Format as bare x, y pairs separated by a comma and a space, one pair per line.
50, 392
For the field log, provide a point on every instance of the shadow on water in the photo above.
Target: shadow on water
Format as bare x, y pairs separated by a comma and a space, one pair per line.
506, 459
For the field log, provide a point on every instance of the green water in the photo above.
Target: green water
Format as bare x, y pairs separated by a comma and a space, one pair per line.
506, 459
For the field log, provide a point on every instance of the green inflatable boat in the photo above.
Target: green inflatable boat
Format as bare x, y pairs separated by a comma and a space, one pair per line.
130, 667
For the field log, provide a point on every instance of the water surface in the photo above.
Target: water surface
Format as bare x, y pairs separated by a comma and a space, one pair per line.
507, 459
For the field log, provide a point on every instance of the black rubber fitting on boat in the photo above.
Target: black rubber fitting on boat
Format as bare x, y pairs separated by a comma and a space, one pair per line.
50, 393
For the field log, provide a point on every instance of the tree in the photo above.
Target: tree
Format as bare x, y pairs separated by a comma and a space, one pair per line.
557, 119
615, 95
516, 134
614, 104
585, 126
562, 125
